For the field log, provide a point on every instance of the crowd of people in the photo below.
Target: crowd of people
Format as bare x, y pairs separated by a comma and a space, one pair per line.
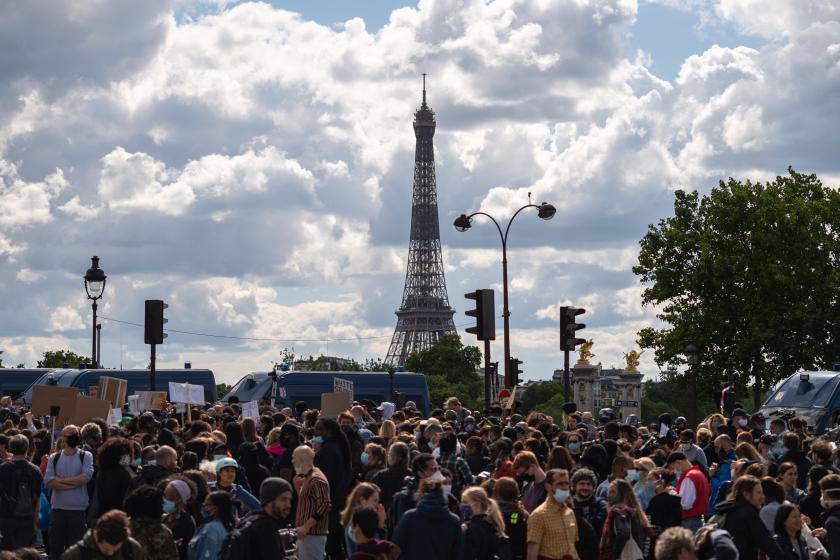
380, 482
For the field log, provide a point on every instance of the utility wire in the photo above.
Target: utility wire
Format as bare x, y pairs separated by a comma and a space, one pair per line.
250, 338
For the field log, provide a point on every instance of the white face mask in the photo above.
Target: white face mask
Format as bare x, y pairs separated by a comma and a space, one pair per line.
447, 489
437, 476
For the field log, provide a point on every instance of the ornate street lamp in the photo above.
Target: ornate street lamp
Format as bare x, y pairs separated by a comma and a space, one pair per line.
463, 222
95, 287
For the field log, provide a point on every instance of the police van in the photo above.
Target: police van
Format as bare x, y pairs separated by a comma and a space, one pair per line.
813, 395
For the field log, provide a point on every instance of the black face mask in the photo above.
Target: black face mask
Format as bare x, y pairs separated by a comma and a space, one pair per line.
526, 478
72, 440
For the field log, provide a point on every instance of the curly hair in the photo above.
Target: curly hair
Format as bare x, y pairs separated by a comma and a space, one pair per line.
112, 451
144, 502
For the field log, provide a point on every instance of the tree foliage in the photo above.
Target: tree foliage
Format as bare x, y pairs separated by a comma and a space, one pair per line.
222, 389
451, 370
748, 273
537, 394
57, 359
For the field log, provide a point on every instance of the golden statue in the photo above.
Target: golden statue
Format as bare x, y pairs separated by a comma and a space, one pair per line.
632, 359
585, 353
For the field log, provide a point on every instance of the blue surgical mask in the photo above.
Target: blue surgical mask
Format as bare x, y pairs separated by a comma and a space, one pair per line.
632, 475
135, 462
364, 458
151, 462
561, 495
466, 512
716, 425
743, 422
317, 440
205, 513
360, 422
219, 457
574, 448
168, 506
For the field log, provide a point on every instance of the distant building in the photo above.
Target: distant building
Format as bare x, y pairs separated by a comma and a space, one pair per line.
596, 388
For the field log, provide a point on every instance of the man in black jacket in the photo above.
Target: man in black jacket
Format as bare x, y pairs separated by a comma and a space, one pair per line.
332, 456
744, 523
19, 514
794, 454
261, 534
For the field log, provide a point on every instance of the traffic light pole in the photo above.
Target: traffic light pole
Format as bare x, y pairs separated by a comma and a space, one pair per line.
566, 383
487, 377
152, 369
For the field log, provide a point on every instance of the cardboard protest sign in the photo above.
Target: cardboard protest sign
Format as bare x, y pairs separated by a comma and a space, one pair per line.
113, 390
333, 404
45, 396
251, 410
152, 400
186, 393
88, 408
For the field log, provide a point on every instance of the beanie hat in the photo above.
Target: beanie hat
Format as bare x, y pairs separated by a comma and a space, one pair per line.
272, 487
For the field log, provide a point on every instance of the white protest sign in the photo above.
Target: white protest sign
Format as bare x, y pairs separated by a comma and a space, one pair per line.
115, 416
180, 408
134, 405
186, 393
343, 386
251, 409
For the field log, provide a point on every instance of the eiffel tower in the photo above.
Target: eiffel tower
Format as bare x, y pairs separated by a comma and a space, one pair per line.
425, 313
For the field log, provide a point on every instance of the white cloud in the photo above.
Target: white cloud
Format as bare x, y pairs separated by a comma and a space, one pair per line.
28, 276
65, 318
26, 203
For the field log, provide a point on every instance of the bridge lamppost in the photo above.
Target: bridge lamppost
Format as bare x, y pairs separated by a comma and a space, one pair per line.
95, 287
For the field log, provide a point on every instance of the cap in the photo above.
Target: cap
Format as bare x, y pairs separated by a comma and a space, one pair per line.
739, 412
411, 405
675, 456
272, 487
225, 463
586, 416
387, 409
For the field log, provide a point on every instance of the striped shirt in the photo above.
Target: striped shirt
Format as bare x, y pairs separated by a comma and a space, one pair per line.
314, 502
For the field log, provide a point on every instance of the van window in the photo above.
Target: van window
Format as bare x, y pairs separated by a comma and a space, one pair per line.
795, 392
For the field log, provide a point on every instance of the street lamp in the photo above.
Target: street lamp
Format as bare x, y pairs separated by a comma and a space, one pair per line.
463, 222
692, 357
95, 287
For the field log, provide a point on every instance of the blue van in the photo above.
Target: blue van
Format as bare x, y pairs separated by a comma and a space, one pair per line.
814, 395
138, 380
14, 381
307, 386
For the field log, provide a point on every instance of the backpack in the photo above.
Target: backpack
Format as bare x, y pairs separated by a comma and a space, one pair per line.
81, 455
502, 549
19, 502
235, 543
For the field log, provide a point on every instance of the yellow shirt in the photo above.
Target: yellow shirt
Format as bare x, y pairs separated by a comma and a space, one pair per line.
554, 528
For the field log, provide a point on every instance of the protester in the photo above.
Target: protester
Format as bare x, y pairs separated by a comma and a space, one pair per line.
626, 527
313, 505
364, 524
552, 530
364, 495
506, 494
429, 531
108, 540
20, 483
145, 508
206, 544
744, 523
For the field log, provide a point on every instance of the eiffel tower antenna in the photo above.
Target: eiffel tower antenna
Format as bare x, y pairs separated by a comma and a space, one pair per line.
424, 314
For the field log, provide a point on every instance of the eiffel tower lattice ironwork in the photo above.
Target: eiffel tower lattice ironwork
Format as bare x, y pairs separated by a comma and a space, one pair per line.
424, 314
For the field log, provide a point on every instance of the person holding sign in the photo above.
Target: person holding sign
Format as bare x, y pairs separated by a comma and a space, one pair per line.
68, 472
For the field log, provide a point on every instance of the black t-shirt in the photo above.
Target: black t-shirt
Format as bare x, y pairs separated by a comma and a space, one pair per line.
11, 472
267, 544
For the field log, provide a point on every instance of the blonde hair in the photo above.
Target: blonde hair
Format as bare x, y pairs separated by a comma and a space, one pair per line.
627, 496
488, 506
388, 430
362, 491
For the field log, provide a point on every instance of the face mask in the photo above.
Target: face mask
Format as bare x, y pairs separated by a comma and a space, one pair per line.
360, 423
437, 476
364, 458
743, 422
716, 425
561, 495
447, 489
135, 462
318, 440
72, 440
469, 428
125, 460
632, 475
574, 448
168, 506
823, 503
678, 473
466, 512
298, 470
205, 513
151, 462
219, 457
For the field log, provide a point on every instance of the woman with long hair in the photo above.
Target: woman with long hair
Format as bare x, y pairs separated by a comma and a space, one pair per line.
249, 459
363, 495
112, 478
485, 532
788, 475
787, 529
206, 544
560, 458
749, 452
506, 494
178, 491
373, 461
626, 527
388, 430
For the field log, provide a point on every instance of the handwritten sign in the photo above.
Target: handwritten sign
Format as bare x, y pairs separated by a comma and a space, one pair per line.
251, 409
343, 386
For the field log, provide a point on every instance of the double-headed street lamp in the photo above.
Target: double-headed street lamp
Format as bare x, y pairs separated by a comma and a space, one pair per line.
95, 287
463, 222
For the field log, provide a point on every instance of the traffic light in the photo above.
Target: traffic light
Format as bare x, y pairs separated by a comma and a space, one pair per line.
484, 313
514, 372
568, 326
153, 331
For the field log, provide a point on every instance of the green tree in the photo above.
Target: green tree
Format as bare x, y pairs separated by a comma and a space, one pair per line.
451, 370
538, 394
57, 359
749, 273
222, 389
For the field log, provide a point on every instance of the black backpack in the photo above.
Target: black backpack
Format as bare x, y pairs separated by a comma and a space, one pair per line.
19, 502
235, 543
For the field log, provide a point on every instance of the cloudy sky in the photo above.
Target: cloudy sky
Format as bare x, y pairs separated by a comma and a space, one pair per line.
251, 163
